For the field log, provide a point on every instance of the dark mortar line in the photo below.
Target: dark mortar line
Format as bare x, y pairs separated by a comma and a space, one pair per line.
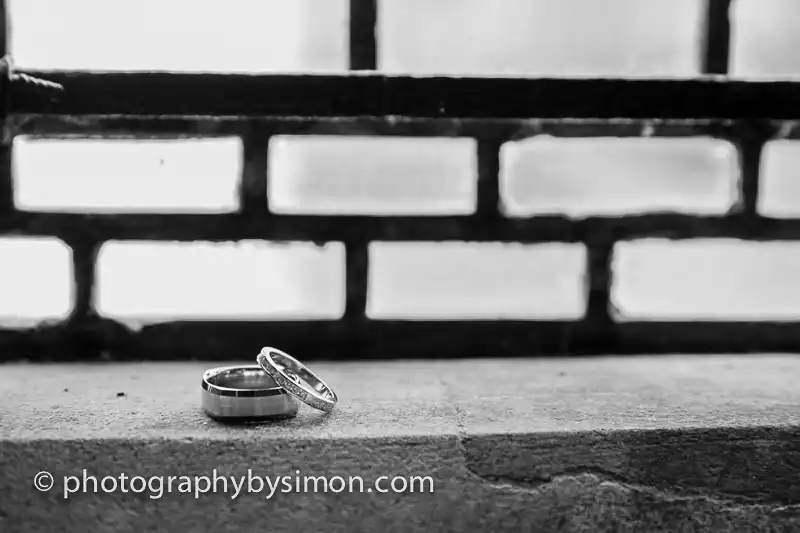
248, 435
459, 415
753, 434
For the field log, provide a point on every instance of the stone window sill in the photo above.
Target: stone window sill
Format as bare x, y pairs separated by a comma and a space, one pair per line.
669, 443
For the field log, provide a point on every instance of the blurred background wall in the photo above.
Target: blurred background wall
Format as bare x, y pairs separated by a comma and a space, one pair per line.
141, 282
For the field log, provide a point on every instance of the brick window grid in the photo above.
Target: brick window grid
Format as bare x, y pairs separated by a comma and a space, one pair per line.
492, 111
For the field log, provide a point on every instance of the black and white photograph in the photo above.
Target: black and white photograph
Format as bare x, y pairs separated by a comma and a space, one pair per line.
399, 266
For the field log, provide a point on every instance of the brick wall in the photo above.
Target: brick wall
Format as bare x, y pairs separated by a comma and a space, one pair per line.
340, 168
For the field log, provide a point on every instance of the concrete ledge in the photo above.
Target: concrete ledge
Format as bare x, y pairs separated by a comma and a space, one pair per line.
684, 443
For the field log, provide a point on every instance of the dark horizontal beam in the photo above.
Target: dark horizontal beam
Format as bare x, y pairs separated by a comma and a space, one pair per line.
57, 126
241, 95
234, 227
339, 340
511, 129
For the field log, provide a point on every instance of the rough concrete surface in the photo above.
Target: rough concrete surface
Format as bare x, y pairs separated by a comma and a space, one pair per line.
680, 443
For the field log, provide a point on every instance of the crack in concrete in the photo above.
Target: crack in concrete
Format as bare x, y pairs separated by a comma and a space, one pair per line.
600, 477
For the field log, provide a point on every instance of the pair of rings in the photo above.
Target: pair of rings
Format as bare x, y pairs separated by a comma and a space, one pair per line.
267, 391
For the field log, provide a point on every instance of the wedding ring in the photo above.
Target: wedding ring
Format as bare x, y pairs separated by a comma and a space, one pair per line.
245, 394
296, 378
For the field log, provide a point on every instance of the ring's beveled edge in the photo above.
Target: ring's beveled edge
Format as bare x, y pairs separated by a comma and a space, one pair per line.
238, 393
310, 398
242, 410
241, 420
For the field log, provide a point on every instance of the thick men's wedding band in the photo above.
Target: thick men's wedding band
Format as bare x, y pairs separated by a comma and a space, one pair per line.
295, 377
245, 394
